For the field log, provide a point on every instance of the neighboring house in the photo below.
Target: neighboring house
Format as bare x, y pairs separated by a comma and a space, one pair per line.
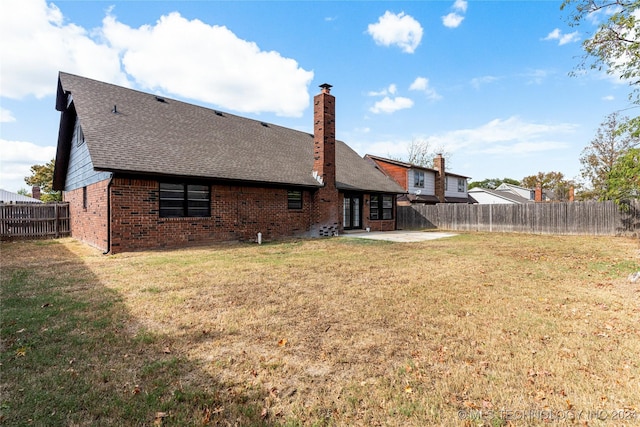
7, 197
424, 185
143, 171
485, 196
508, 193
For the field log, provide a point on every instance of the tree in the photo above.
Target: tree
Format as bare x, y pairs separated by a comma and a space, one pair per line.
421, 153
612, 140
554, 182
42, 176
615, 46
493, 183
623, 181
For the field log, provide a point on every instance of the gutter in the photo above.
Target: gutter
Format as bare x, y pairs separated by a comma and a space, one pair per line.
108, 216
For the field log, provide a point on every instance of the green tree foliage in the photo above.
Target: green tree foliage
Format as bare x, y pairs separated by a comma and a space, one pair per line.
623, 181
615, 45
554, 184
493, 183
611, 141
42, 176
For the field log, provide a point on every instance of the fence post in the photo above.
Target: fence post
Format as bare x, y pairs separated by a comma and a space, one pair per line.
57, 216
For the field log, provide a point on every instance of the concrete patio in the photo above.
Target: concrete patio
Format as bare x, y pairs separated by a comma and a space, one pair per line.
398, 235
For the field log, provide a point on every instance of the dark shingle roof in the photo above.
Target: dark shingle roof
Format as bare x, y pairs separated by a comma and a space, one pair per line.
162, 136
410, 165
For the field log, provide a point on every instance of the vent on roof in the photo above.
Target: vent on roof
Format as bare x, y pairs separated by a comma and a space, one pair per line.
160, 99
218, 113
115, 109
264, 124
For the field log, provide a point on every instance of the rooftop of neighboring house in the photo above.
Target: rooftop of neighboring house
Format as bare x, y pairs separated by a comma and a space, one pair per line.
410, 165
128, 131
9, 197
502, 194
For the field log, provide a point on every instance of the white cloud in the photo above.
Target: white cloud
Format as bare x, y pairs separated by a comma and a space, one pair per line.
397, 29
17, 159
476, 82
608, 98
460, 5
192, 59
390, 105
6, 116
563, 39
392, 89
452, 20
421, 84
536, 76
184, 58
508, 136
36, 42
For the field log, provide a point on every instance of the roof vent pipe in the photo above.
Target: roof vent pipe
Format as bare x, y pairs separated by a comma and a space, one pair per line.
115, 109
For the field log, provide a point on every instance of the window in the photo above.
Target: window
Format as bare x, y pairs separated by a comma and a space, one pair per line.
184, 200
79, 136
381, 206
418, 179
294, 199
84, 198
461, 185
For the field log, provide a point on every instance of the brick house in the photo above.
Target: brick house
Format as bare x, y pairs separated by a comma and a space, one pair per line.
142, 171
424, 185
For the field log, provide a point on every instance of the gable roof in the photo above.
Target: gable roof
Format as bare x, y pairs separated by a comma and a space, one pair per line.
410, 165
502, 194
159, 136
9, 197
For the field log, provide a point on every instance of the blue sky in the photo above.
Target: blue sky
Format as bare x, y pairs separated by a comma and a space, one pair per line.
486, 81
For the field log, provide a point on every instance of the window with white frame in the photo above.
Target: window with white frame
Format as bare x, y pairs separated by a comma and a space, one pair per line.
418, 179
462, 183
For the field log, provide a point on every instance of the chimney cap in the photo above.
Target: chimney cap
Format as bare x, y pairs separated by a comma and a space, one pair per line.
326, 87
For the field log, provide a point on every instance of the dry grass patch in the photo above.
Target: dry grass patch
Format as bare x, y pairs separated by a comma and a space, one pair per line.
358, 332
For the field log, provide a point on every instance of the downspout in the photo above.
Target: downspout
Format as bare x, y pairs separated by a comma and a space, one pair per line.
108, 216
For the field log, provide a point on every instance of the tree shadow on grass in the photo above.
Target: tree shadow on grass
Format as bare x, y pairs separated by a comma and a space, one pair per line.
70, 356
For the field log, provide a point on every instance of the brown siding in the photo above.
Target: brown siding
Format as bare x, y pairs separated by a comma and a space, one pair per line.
398, 173
237, 213
89, 224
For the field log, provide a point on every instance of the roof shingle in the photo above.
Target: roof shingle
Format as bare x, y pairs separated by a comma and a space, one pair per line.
168, 137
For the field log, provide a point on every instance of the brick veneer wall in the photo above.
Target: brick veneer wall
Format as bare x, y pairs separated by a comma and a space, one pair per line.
89, 224
379, 224
237, 213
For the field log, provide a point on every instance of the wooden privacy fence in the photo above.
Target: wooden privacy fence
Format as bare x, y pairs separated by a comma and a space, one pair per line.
590, 218
34, 221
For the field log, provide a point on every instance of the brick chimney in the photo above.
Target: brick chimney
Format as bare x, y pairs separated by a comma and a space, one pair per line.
327, 205
538, 193
572, 194
35, 192
441, 178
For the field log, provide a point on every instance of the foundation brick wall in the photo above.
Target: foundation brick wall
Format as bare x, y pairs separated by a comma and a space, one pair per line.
238, 213
89, 224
